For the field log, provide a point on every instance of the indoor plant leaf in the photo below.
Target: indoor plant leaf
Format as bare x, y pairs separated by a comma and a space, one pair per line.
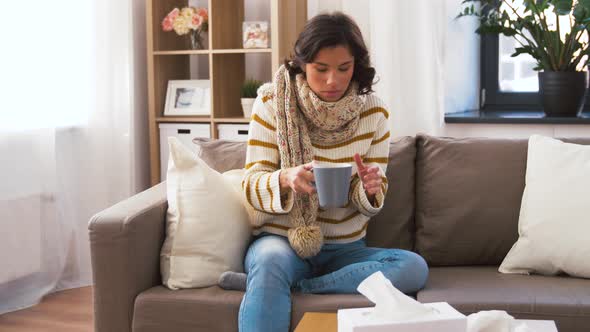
530, 27
562, 7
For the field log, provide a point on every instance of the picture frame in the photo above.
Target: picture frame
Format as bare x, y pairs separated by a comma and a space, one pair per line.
188, 97
255, 34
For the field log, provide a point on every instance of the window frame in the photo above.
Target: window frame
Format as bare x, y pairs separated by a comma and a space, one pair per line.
491, 98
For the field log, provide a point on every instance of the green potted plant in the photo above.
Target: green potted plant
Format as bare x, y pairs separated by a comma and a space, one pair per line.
249, 93
561, 52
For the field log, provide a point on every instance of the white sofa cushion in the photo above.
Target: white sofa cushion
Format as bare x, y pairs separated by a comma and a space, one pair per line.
554, 220
207, 224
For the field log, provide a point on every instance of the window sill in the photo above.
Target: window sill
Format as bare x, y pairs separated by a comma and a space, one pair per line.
513, 117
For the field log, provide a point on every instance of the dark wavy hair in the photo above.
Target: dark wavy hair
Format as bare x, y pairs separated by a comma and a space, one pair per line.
332, 30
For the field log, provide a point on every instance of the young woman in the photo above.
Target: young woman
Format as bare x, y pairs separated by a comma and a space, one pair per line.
319, 108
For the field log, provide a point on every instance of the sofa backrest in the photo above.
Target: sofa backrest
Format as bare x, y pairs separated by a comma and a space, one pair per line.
468, 198
393, 227
222, 155
456, 201
468, 195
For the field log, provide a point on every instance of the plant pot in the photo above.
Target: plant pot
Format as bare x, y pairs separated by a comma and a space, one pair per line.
562, 94
247, 104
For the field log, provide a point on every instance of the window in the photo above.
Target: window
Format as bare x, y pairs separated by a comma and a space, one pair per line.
47, 64
510, 83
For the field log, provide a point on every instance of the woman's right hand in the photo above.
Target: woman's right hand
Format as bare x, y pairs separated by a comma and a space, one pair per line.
299, 179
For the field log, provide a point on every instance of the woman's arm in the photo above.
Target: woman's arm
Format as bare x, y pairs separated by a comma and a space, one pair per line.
261, 183
364, 196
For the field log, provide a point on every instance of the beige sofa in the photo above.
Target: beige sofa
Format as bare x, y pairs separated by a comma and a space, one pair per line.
455, 201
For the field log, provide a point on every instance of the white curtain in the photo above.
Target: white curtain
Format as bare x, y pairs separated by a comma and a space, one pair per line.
427, 63
73, 135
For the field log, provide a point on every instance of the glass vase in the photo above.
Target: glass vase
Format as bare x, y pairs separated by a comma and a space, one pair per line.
196, 40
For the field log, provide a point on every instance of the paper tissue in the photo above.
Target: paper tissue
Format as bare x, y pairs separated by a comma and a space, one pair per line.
494, 321
395, 310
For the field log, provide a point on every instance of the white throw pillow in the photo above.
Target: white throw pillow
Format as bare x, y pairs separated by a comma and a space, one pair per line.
554, 223
207, 224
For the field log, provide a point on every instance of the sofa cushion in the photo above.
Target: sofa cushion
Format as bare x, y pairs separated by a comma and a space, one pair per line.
468, 193
393, 227
222, 155
197, 309
554, 210
213, 309
201, 243
473, 288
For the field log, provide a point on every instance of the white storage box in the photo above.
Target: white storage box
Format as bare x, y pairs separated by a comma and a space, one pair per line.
185, 132
359, 320
234, 132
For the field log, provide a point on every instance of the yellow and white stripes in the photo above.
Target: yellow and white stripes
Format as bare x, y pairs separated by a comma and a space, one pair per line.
261, 181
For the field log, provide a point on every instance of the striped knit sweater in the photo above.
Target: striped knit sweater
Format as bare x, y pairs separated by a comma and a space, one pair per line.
261, 180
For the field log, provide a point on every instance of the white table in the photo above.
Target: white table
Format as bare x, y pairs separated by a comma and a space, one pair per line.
327, 322
539, 325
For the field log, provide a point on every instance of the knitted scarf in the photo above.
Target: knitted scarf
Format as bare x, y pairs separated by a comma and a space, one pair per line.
302, 118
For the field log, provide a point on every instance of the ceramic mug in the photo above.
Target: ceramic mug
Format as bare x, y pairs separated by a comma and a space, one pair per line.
332, 182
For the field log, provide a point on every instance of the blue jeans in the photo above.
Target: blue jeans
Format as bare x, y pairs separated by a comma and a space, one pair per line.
274, 269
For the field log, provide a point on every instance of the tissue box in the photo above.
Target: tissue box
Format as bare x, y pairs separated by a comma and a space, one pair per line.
360, 320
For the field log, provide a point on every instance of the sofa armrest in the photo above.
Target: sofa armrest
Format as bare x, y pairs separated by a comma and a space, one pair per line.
125, 242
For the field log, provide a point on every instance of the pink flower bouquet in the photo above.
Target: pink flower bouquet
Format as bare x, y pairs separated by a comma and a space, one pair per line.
188, 20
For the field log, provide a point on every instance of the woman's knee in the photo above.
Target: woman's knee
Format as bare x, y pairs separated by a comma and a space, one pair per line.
419, 266
272, 257
412, 270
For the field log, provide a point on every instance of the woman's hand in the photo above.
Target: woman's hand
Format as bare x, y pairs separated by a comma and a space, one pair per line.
370, 177
297, 179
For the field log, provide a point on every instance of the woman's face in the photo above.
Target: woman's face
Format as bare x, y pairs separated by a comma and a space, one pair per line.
330, 72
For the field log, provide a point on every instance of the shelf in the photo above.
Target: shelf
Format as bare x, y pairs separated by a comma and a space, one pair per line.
226, 99
199, 119
224, 61
242, 50
181, 52
222, 51
231, 120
